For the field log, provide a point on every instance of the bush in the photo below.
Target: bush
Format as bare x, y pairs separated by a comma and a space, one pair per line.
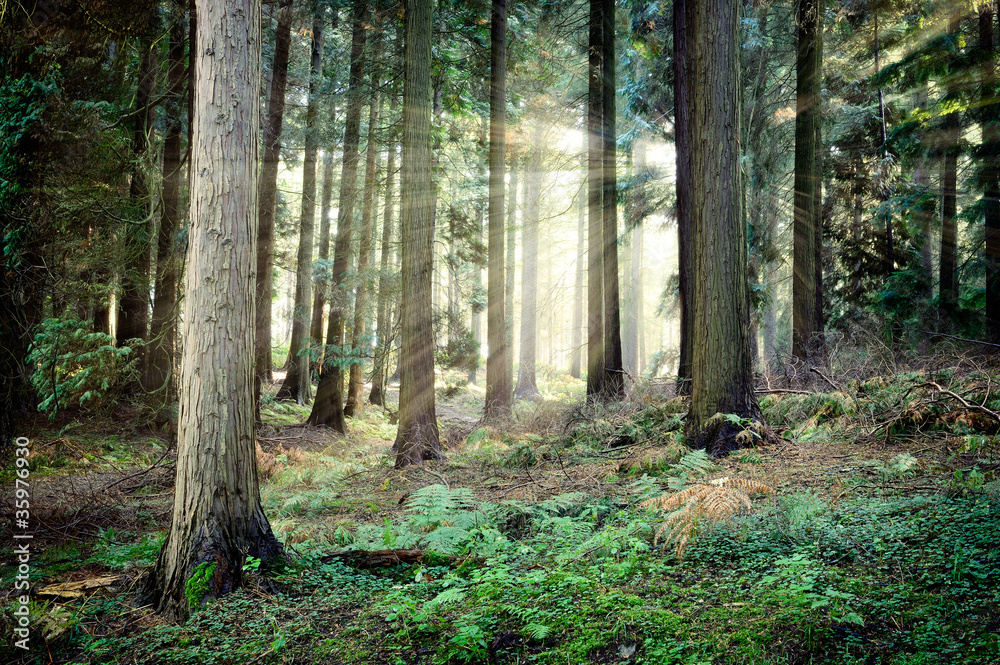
74, 365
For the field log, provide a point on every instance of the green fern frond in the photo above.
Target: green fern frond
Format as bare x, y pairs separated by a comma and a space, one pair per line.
696, 462
537, 631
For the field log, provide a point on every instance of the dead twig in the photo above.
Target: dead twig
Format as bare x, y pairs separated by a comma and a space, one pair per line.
961, 400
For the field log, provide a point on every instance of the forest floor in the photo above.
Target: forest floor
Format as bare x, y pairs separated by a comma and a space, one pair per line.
867, 534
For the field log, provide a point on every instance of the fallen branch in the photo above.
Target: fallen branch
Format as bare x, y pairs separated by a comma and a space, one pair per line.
961, 400
826, 378
779, 391
379, 558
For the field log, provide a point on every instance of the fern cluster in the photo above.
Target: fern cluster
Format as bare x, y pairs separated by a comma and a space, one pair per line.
688, 509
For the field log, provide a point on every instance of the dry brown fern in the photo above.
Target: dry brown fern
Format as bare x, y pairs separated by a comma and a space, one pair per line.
711, 502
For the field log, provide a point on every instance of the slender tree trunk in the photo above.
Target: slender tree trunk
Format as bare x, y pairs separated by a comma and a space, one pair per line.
217, 518
328, 408
498, 390
297, 385
991, 164
949, 195
682, 139
477, 272
323, 253
576, 353
356, 379
595, 205
509, 272
722, 380
162, 334
268, 192
885, 187
925, 208
526, 385
807, 212
384, 324
630, 340
417, 436
133, 306
614, 376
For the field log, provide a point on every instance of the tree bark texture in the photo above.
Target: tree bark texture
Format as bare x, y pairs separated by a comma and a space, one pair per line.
328, 407
417, 436
217, 517
722, 380
614, 376
268, 192
807, 210
297, 385
595, 204
682, 139
498, 387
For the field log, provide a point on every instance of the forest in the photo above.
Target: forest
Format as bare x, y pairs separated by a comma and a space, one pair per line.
492, 331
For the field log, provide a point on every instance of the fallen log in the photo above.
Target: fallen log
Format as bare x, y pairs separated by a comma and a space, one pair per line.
366, 559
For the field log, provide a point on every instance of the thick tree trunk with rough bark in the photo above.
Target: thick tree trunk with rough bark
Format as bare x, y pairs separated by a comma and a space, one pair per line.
268, 192
133, 306
163, 327
217, 516
806, 320
498, 388
417, 436
297, 385
328, 407
682, 139
722, 380
595, 204
526, 385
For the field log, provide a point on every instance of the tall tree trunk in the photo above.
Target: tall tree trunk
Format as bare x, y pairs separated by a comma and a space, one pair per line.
511, 248
323, 253
807, 211
477, 274
991, 164
925, 208
576, 352
722, 380
268, 192
133, 314
682, 140
884, 185
951, 132
526, 385
328, 408
633, 317
162, 333
595, 204
297, 385
417, 435
356, 378
384, 324
498, 389
217, 518
614, 376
